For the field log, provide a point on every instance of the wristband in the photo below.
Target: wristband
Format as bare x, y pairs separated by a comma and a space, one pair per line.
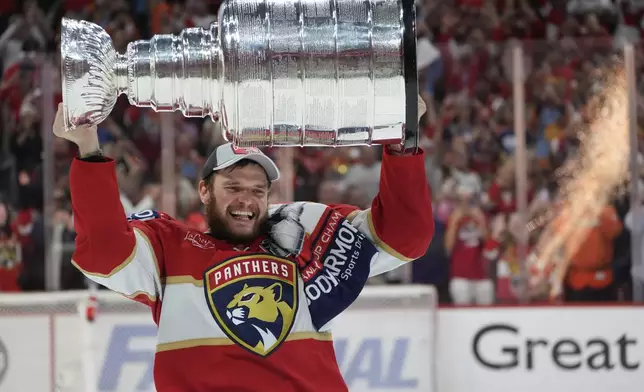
94, 156
399, 149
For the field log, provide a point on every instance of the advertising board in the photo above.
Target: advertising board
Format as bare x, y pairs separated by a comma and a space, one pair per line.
536, 349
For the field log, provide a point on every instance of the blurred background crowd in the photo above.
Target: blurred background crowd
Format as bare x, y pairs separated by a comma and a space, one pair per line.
465, 62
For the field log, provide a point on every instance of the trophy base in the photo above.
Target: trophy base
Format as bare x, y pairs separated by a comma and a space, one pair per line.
315, 136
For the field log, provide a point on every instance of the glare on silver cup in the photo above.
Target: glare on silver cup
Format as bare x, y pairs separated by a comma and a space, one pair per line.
275, 72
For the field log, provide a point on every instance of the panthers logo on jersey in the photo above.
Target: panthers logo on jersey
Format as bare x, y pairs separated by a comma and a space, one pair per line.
253, 299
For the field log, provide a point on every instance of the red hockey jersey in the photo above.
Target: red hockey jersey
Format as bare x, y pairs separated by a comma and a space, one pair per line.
246, 319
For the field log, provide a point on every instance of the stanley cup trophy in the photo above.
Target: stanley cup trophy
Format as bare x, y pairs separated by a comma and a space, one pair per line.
275, 72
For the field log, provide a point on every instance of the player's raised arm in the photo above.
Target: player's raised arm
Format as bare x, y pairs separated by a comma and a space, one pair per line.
400, 221
123, 254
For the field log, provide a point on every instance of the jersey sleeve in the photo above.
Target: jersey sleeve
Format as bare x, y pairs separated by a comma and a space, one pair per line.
123, 254
400, 222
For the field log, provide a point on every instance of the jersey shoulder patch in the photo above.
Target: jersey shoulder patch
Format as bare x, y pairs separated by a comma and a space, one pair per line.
147, 215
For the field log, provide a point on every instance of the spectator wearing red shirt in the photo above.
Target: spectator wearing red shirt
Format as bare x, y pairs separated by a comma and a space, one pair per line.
17, 86
464, 240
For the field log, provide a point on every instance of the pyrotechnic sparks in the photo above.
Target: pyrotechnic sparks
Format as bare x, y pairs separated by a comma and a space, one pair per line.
588, 181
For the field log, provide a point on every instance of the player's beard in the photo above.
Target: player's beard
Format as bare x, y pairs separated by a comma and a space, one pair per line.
220, 228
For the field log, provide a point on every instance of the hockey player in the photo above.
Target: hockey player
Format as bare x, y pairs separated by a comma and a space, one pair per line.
247, 305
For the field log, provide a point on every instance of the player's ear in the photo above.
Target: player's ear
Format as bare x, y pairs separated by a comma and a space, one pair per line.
276, 289
204, 191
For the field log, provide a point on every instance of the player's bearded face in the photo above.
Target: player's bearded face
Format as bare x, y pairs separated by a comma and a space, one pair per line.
237, 209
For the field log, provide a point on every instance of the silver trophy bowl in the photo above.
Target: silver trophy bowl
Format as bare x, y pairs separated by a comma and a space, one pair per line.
274, 72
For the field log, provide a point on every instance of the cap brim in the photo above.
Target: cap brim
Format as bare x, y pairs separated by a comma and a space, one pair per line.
265, 162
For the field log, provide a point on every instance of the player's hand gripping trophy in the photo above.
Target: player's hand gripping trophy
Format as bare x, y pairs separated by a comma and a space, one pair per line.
85, 136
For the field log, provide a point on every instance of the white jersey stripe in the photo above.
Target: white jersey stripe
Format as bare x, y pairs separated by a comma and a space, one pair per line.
138, 274
185, 315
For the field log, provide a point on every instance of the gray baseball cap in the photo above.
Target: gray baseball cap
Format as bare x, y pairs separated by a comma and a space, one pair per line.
227, 155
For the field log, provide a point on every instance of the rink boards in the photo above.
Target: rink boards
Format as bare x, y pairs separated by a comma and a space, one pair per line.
400, 346
382, 344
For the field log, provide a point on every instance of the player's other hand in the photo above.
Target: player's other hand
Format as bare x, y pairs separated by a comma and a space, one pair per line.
422, 107
84, 136
397, 148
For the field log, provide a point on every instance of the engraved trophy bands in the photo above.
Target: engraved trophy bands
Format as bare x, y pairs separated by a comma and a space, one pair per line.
275, 72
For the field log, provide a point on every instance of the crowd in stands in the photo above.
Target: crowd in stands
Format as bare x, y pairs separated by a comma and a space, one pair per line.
465, 63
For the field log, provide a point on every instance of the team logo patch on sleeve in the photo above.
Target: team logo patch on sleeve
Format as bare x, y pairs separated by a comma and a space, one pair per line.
253, 299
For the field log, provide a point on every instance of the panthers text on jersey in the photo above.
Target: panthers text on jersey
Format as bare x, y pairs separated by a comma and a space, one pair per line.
258, 318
